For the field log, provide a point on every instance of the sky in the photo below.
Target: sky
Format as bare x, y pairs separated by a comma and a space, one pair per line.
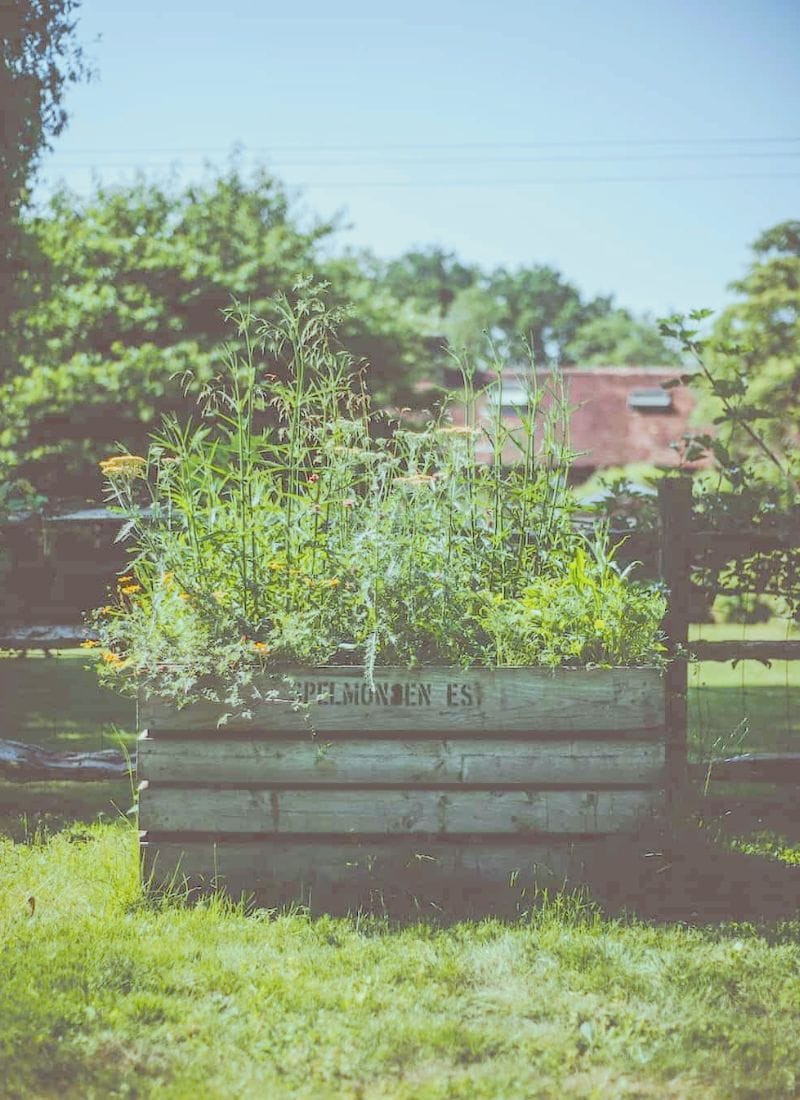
638, 146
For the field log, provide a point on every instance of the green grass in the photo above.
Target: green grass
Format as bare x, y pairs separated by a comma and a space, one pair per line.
57, 703
105, 995
749, 708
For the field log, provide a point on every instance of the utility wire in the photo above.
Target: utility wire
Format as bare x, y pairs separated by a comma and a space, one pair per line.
636, 142
542, 180
350, 163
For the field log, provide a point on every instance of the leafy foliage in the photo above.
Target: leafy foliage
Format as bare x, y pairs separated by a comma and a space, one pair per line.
39, 57
761, 333
618, 339
754, 485
284, 529
132, 294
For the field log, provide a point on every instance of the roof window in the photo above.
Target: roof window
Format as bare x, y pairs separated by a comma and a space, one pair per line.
650, 399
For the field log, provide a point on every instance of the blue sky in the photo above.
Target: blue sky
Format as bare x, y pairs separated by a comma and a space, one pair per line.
639, 146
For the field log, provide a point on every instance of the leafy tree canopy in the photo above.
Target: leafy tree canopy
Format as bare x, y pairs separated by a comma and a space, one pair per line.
40, 57
430, 278
758, 337
618, 339
130, 297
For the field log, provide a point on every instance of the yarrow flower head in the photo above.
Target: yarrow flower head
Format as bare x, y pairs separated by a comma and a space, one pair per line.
415, 481
124, 466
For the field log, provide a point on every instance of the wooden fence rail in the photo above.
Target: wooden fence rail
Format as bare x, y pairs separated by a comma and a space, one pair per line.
682, 545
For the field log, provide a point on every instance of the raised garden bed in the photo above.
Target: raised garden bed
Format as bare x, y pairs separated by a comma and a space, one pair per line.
469, 787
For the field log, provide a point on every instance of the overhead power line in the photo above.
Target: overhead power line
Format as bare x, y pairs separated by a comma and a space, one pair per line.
368, 146
536, 182
461, 162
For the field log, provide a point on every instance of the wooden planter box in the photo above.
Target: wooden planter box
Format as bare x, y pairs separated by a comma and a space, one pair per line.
440, 783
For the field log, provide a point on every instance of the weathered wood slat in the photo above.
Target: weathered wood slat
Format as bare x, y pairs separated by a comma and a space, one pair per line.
744, 651
489, 873
434, 699
432, 761
357, 811
741, 543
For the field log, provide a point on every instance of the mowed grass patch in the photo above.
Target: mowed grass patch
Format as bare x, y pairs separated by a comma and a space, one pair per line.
57, 703
104, 994
749, 707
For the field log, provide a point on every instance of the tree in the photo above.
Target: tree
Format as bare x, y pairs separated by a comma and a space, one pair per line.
541, 308
474, 314
131, 297
429, 277
619, 339
757, 338
40, 57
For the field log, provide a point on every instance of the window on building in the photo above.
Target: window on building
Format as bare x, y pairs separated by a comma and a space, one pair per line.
650, 399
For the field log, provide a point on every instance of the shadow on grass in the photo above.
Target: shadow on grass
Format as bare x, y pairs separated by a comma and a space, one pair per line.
730, 719
57, 702
689, 874
28, 809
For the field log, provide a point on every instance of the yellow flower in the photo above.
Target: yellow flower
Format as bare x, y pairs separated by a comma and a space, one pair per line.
130, 589
276, 566
123, 580
334, 582
113, 659
167, 579
124, 466
261, 647
90, 643
185, 596
599, 624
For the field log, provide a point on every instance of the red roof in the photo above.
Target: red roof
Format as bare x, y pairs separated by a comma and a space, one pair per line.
622, 414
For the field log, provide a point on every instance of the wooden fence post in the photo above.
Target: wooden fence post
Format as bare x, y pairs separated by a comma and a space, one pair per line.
674, 563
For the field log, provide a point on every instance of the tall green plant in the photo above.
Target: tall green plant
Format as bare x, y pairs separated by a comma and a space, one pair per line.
283, 528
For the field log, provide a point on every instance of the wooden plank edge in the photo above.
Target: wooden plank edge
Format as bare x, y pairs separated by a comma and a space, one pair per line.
250, 733
745, 651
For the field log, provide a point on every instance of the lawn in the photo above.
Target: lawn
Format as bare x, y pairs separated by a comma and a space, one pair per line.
104, 992
749, 708
104, 995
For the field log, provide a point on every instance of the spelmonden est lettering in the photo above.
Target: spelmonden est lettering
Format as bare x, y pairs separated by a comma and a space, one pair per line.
357, 693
